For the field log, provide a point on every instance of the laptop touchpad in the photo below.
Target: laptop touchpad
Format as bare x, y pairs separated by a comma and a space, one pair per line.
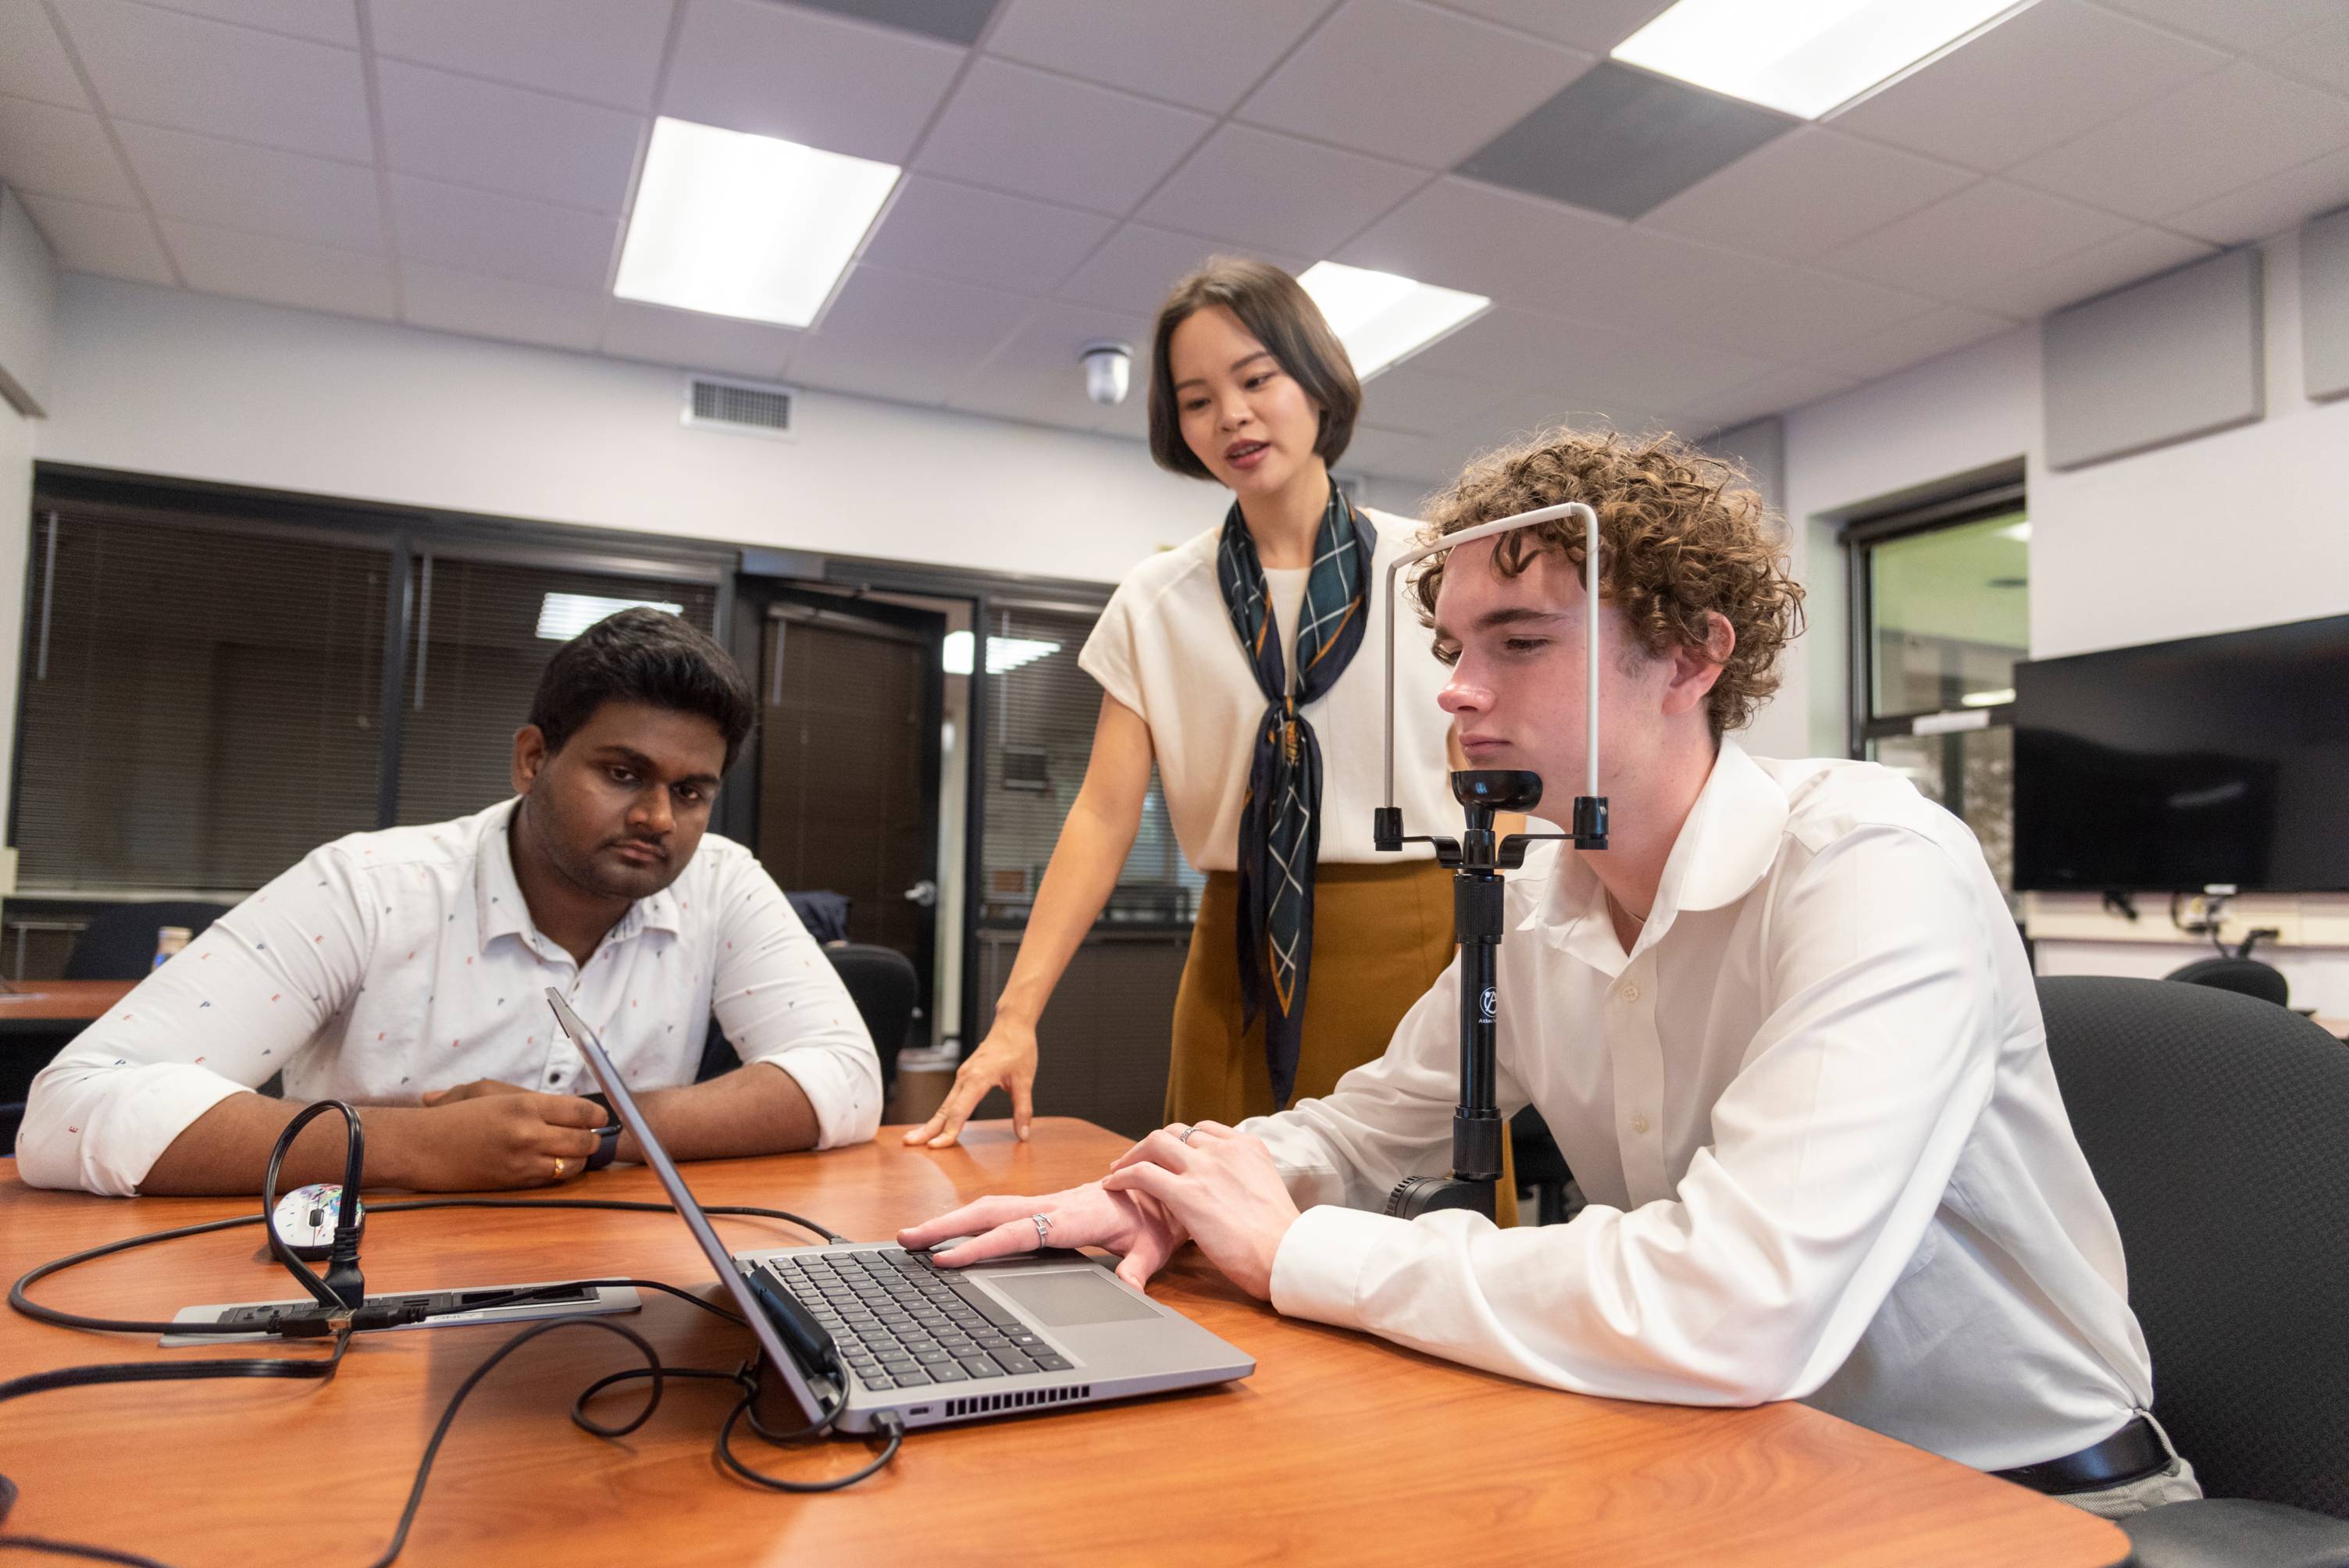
1067, 1298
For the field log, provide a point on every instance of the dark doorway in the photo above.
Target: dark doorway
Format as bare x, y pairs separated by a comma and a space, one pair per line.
851, 699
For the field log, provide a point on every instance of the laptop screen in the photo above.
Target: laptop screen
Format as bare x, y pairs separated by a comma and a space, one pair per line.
624, 1106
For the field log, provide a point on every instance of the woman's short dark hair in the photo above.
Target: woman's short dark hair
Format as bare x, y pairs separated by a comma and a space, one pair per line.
1278, 314
643, 656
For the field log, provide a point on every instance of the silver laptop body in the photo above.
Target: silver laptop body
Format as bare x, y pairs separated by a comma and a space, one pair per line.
1090, 1336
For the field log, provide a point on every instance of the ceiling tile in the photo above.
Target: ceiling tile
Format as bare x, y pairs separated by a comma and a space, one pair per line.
1036, 376
1017, 129
1134, 271
2269, 206
1259, 188
281, 271
503, 236
2319, 55
60, 152
507, 139
2215, 135
1789, 313
748, 64
607, 51
2031, 83
259, 190
482, 306
1805, 193
954, 21
32, 63
915, 339
193, 74
2234, 24
1411, 83
1411, 396
1400, 455
1622, 141
1530, 417
1789, 386
326, 21
1202, 53
694, 341
1963, 244
1912, 342
1524, 251
1597, 26
940, 229
1573, 360
116, 241
2139, 254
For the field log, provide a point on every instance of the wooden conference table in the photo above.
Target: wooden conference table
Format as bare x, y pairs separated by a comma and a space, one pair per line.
1340, 1446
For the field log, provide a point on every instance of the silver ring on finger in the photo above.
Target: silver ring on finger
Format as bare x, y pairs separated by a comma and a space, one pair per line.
1043, 1224
1185, 1136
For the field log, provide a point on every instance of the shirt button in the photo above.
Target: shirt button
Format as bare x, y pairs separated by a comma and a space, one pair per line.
1640, 1121
1631, 992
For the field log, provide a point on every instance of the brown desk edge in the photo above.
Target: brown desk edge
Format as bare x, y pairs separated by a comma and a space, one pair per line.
1339, 1445
61, 1001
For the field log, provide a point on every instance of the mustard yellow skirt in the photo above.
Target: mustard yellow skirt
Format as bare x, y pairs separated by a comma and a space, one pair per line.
1382, 938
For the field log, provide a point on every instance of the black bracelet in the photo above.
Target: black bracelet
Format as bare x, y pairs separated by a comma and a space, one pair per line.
608, 1135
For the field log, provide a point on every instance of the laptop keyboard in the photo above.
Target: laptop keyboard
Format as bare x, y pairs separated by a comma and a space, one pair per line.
900, 1322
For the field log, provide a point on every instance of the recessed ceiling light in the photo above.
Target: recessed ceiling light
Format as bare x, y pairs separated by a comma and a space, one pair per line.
1803, 56
1988, 698
1381, 317
748, 226
562, 616
1002, 653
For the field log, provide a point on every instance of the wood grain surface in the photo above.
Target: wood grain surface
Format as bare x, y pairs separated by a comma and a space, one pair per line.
1341, 1447
61, 1001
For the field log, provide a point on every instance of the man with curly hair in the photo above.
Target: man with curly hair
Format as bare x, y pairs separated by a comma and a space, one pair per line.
1783, 1029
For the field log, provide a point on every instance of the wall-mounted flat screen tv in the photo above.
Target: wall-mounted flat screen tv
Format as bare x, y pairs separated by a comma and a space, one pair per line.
2176, 765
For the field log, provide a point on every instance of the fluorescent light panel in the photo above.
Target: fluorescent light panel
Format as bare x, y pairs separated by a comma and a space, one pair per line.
1381, 317
1002, 653
1802, 57
748, 226
562, 616
1988, 698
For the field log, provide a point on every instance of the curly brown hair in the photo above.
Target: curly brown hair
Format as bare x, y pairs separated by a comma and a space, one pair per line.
1682, 536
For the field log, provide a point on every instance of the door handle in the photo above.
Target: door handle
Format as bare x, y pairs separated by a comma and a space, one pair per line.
924, 892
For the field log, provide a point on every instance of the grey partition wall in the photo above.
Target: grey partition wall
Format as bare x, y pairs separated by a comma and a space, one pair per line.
2324, 304
2174, 356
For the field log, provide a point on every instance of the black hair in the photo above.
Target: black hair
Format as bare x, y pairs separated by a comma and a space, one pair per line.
1281, 316
643, 655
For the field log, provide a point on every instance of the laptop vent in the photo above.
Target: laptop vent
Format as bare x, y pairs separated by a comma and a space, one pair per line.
981, 1404
748, 406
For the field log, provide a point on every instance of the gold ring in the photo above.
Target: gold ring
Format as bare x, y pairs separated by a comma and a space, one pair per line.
558, 1165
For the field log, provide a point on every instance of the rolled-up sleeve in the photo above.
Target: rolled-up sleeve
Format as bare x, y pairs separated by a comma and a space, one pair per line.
232, 1010
1831, 1151
779, 1000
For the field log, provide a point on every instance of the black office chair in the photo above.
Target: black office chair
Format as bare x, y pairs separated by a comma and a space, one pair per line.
118, 943
2247, 975
2213, 1122
1534, 1153
881, 981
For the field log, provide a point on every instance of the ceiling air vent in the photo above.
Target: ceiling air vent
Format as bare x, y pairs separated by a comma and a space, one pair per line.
746, 407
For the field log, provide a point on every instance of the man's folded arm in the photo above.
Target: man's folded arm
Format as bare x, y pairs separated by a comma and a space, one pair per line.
1831, 1150
221, 1018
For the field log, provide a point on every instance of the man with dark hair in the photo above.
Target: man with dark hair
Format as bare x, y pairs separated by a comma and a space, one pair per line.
406, 971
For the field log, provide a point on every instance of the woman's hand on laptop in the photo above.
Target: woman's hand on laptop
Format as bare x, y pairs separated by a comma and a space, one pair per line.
1220, 1186
1131, 1224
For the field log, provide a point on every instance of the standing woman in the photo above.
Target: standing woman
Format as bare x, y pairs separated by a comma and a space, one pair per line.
1249, 662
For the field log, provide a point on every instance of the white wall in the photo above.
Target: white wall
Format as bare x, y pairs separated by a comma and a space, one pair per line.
158, 381
28, 284
2248, 527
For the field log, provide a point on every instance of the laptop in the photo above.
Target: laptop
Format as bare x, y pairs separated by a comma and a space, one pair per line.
885, 1330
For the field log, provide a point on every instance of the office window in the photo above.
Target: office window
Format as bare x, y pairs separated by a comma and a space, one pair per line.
1941, 616
484, 631
1041, 710
200, 704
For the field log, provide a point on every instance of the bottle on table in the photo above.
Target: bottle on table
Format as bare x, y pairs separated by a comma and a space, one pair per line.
169, 940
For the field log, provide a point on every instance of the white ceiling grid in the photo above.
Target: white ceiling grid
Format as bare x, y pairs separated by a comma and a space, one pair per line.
466, 165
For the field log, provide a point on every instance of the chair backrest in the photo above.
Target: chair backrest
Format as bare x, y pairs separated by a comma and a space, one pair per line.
2216, 1126
881, 981
2248, 975
118, 943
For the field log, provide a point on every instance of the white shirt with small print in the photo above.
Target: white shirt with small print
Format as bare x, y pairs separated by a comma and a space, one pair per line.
389, 964
1814, 1115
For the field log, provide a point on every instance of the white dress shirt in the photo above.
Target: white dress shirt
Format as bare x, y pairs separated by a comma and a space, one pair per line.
1812, 1112
1166, 648
388, 964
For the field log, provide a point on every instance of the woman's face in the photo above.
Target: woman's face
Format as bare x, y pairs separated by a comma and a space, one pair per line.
1241, 414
